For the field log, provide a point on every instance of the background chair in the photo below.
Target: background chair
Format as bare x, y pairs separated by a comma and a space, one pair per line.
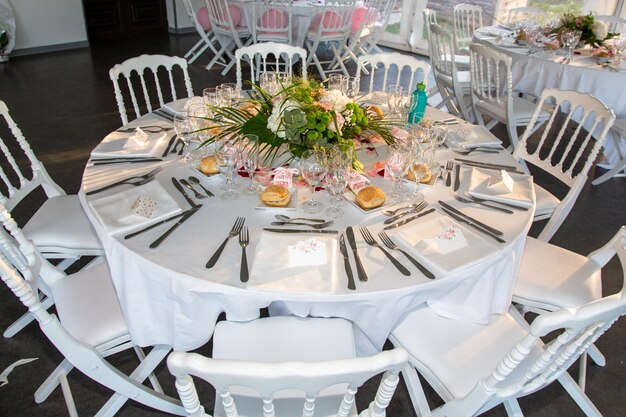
475, 367
616, 24
493, 96
226, 23
370, 44
90, 325
285, 58
139, 65
518, 14
288, 365
405, 69
202, 25
572, 168
272, 21
466, 19
364, 21
619, 170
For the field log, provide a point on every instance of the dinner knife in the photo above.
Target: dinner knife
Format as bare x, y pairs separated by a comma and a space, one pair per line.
169, 145
346, 262
479, 165
157, 224
179, 187
175, 226
457, 177
470, 219
410, 219
124, 161
486, 164
270, 229
359, 266
472, 225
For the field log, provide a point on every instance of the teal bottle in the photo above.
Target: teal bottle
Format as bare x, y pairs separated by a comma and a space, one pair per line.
418, 104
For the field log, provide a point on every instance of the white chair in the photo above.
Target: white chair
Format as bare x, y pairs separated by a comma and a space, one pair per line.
619, 170
551, 278
453, 85
139, 65
493, 96
466, 18
475, 367
207, 37
289, 366
616, 24
59, 228
385, 10
272, 21
285, 58
364, 21
572, 167
407, 70
89, 327
226, 23
331, 26
517, 14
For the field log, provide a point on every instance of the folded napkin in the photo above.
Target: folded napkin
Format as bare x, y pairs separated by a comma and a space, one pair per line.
136, 207
444, 243
180, 107
122, 145
295, 262
470, 136
477, 185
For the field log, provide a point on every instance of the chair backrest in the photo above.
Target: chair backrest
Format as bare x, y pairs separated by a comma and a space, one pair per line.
10, 169
285, 57
523, 13
576, 148
191, 12
272, 21
266, 379
442, 53
406, 69
364, 19
467, 18
334, 21
430, 17
139, 65
616, 24
491, 79
226, 20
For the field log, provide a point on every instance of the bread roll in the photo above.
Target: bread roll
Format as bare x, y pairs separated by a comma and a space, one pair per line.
421, 168
374, 110
208, 165
370, 197
275, 196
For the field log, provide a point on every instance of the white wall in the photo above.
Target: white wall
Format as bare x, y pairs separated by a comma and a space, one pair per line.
182, 20
48, 22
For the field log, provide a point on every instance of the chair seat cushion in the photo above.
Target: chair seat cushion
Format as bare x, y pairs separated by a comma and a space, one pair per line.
546, 202
60, 225
522, 110
88, 307
551, 277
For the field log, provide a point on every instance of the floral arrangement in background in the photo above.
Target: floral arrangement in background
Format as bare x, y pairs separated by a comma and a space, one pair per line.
301, 116
604, 51
593, 31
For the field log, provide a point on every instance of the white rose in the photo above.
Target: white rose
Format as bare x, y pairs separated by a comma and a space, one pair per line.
275, 121
337, 99
600, 30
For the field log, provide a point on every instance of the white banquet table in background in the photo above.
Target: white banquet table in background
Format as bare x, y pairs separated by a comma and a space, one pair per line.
169, 297
535, 72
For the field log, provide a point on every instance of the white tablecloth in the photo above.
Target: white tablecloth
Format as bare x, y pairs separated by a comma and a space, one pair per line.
533, 73
169, 297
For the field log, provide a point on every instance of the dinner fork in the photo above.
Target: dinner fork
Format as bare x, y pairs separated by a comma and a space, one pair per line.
314, 226
135, 180
233, 232
449, 166
421, 206
244, 239
367, 236
384, 237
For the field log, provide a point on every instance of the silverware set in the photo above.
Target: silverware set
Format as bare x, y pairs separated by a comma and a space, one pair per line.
409, 210
470, 221
467, 151
393, 246
369, 239
172, 147
234, 231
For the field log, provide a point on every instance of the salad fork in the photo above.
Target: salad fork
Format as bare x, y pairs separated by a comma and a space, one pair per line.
244, 239
393, 246
233, 232
367, 236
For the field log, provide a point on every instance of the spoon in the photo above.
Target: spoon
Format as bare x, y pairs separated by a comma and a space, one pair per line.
196, 181
388, 212
314, 226
195, 193
287, 219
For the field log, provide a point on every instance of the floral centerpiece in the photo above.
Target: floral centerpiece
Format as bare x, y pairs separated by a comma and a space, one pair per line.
593, 31
301, 116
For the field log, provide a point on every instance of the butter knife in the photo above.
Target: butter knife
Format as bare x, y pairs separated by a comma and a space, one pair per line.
472, 225
470, 219
270, 229
457, 176
175, 226
359, 266
346, 262
179, 187
410, 219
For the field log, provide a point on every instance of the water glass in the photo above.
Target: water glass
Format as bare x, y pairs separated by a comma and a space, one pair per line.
398, 158
183, 129
250, 160
211, 96
336, 181
268, 83
353, 87
570, 39
338, 82
313, 170
227, 158
394, 99
422, 160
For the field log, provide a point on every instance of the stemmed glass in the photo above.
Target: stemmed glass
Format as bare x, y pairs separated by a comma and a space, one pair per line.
398, 158
227, 158
394, 100
183, 129
422, 158
338, 82
313, 170
267, 82
336, 181
570, 39
353, 87
250, 160
211, 96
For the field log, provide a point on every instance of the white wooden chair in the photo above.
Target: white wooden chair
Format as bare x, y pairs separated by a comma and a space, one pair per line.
230, 33
466, 19
551, 278
453, 85
89, 327
517, 14
258, 55
289, 366
207, 37
364, 21
405, 69
385, 10
139, 65
616, 24
272, 21
619, 169
493, 96
475, 367
572, 167
332, 27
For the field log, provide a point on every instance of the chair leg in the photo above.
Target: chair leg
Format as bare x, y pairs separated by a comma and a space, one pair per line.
67, 394
620, 167
578, 396
153, 379
582, 371
23, 321
416, 392
512, 408
596, 356
54, 379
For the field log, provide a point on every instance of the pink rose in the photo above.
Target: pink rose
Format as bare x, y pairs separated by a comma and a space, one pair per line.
325, 105
340, 121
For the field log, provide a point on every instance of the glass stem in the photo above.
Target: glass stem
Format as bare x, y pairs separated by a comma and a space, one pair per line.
312, 202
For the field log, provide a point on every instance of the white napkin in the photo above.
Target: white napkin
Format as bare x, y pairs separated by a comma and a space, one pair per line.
274, 268
180, 107
470, 136
116, 213
477, 185
422, 239
118, 145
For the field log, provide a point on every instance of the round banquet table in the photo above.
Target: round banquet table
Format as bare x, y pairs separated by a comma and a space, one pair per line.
532, 73
168, 296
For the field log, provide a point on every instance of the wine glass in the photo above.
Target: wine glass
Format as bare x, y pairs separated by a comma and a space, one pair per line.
337, 82
183, 129
312, 167
227, 159
250, 160
422, 158
394, 100
570, 39
438, 135
353, 87
336, 180
397, 162
268, 83
211, 96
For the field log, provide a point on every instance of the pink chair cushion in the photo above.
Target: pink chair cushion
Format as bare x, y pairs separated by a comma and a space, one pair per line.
332, 20
358, 16
203, 18
274, 19
235, 15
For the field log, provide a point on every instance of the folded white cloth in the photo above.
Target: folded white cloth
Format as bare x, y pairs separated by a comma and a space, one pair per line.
118, 212
180, 107
423, 235
277, 265
117, 145
477, 185
470, 136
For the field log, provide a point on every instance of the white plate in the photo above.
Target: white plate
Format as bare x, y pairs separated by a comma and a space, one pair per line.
293, 202
351, 199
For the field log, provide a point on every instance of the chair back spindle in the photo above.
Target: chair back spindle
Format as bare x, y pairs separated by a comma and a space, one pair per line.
408, 70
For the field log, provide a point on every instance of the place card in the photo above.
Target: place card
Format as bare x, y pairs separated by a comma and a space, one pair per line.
143, 206
500, 182
284, 176
450, 239
139, 138
357, 181
307, 252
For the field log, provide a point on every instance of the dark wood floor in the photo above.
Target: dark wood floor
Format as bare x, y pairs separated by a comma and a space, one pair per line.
64, 104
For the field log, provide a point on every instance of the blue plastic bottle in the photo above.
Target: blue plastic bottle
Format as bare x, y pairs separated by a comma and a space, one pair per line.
418, 104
